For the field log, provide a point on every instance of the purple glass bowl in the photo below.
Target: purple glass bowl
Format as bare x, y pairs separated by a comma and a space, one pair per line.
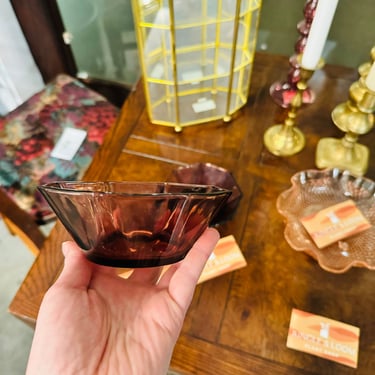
134, 224
210, 174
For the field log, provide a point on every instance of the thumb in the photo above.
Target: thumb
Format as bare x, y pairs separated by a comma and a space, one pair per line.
77, 269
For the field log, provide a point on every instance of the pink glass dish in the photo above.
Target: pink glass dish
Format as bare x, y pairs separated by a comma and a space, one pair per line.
210, 174
134, 224
313, 190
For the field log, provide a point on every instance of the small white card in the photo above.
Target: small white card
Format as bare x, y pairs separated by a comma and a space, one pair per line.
157, 72
203, 105
69, 143
192, 76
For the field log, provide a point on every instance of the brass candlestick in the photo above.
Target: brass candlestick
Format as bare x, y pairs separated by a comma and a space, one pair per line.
365, 67
354, 117
285, 139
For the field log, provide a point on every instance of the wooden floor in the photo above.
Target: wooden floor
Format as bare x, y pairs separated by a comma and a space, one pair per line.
15, 336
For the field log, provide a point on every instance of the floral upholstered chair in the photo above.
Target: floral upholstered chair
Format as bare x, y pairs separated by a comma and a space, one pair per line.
29, 133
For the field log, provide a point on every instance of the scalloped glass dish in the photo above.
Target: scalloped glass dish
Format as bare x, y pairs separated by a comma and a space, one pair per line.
314, 190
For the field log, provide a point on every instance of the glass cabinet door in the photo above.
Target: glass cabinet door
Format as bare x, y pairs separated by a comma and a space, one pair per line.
102, 38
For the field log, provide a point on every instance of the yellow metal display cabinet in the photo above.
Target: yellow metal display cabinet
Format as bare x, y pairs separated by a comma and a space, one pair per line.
196, 57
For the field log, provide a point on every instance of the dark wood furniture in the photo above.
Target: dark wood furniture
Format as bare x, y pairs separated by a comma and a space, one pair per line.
43, 27
238, 323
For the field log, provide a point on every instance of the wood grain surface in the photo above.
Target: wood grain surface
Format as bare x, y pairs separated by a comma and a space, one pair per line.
238, 323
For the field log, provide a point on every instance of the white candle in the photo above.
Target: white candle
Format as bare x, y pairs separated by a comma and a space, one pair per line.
370, 79
318, 33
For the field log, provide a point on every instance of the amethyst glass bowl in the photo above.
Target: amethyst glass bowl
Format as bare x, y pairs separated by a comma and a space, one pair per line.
210, 174
134, 224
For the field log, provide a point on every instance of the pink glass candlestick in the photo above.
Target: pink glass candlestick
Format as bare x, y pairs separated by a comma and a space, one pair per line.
283, 92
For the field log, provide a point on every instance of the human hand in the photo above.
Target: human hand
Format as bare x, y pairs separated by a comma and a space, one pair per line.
92, 321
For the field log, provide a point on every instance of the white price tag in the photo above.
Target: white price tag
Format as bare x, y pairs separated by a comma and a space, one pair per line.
69, 143
157, 72
192, 76
203, 105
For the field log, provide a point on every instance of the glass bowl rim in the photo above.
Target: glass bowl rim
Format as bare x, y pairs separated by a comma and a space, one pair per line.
57, 187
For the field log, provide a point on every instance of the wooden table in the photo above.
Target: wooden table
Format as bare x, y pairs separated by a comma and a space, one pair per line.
238, 323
